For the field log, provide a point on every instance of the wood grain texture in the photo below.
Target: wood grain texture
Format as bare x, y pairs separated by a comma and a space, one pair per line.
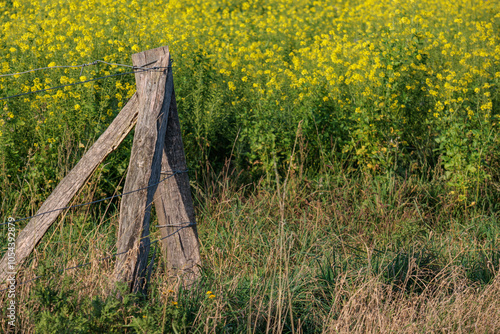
31, 235
174, 206
154, 93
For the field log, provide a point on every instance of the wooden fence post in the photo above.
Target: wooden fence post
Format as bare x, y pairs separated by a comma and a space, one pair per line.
157, 153
154, 90
157, 147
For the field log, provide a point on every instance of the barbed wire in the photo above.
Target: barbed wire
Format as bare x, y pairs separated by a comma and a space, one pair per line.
95, 62
174, 172
137, 70
107, 257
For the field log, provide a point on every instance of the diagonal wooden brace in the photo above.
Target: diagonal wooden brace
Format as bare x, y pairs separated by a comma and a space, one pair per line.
31, 235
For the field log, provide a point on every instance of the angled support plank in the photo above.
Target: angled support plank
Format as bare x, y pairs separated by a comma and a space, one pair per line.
154, 90
174, 207
111, 138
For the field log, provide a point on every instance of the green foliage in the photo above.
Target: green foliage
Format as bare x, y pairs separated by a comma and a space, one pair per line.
63, 311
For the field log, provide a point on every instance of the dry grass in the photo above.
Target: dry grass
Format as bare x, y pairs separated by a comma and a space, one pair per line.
328, 255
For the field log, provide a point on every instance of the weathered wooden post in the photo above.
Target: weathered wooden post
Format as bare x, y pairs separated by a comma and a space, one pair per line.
154, 91
157, 148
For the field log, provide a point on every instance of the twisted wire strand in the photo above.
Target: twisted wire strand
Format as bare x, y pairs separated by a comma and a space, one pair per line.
106, 257
137, 69
95, 62
174, 172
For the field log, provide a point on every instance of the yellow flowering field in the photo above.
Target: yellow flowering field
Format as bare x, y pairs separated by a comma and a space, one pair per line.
387, 85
